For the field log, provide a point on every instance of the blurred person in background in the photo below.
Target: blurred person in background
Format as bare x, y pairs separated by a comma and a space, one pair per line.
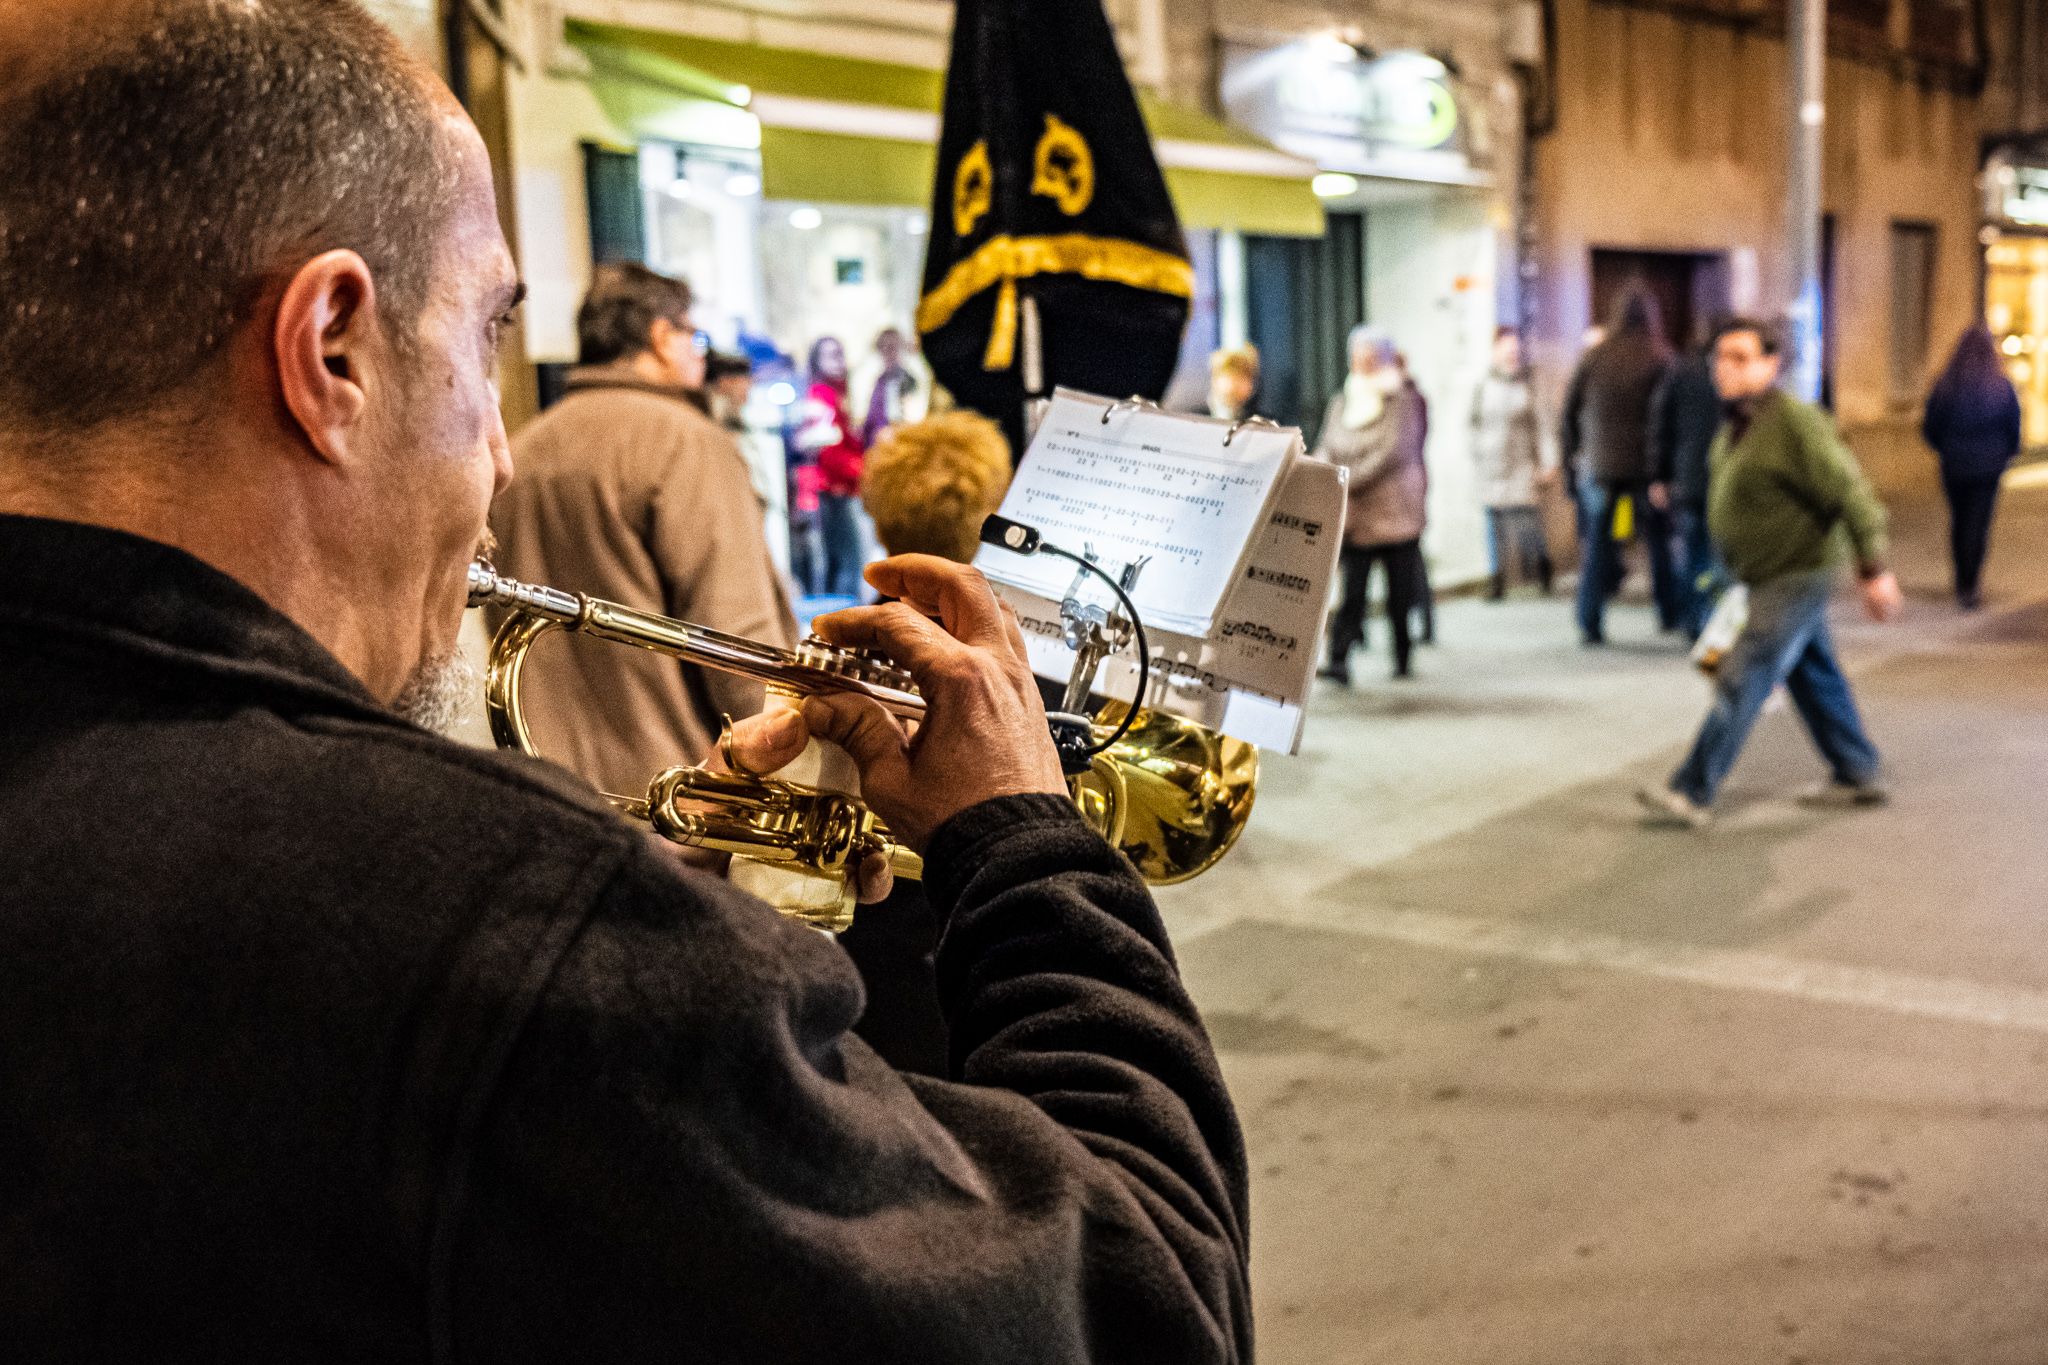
896, 390
730, 383
825, 434
628, 492
1973, 423
1515, 460
929, 485
1784, 497
1374, 428
1685, 414
1605, 431
1234, 383
1425, 592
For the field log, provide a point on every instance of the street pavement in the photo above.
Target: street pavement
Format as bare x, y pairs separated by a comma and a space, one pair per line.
1524, 1081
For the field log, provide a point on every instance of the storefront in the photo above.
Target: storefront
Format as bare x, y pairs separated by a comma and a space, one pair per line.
2016, 274
1406, 154
790, 187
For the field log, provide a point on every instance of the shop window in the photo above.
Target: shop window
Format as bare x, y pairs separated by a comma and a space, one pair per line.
1912, 308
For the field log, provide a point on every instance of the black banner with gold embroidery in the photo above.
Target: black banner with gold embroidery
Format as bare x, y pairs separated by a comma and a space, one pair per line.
1047, 190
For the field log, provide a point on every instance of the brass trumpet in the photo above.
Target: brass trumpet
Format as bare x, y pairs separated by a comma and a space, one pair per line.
1171, 794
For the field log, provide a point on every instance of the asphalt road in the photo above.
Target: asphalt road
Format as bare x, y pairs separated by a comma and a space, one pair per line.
1524, 1081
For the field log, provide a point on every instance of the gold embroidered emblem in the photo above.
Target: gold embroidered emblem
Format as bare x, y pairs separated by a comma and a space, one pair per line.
1064, 169
974, 188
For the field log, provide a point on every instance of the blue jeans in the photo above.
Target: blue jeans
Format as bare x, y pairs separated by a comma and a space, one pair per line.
839, 527
1700, 570
1514, 537
1600, 571
1785, 641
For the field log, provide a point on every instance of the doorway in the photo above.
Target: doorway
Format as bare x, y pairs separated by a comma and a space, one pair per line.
1692, 288
1302, 298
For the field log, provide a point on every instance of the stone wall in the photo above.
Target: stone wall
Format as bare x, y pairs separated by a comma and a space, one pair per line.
1672, 135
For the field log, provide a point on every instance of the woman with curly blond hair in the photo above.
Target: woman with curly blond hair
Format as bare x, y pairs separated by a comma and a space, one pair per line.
930, 484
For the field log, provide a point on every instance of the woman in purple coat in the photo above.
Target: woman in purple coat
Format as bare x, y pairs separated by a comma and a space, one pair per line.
1973, 423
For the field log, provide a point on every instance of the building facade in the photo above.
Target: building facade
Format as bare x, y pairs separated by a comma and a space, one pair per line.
780, 158
1665, 167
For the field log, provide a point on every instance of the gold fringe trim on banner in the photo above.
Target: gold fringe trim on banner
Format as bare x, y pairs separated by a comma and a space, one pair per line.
1006, 260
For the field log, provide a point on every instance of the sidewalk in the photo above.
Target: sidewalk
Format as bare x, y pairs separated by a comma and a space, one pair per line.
1526, 1082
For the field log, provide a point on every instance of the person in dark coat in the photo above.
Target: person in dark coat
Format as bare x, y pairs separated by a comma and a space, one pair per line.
1973, 423
329, 1039
1605, 430
1685, 415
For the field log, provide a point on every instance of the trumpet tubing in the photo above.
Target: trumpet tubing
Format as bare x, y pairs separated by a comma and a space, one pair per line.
1171, 794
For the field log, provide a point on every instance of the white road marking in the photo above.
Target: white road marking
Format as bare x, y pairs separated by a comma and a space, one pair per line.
1930, 997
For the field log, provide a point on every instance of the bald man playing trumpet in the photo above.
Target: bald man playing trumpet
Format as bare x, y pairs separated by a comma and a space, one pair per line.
331, 1039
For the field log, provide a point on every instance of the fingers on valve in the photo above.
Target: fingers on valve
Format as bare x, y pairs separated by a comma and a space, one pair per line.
957, 594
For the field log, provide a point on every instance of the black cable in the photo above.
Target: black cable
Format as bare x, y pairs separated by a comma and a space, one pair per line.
1137, 628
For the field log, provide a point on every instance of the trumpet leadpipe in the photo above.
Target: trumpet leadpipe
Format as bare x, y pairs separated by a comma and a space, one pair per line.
815, 668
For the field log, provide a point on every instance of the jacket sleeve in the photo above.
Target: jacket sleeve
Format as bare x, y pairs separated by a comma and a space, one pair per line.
1835, 482
1934, 421
2011, 426
1570, 435
1660, 440
687, 1153
710, 548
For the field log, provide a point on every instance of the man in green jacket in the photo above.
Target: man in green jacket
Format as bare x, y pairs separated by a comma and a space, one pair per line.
1786, 504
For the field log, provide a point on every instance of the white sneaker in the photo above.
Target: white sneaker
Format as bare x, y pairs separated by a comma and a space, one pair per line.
1667, 807
1837, 795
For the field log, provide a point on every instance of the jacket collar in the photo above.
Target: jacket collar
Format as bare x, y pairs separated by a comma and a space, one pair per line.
164, 607
621, 375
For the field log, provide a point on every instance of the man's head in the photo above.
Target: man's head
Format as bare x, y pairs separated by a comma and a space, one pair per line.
731, 378
1748, 356
637, 316
253, 285
889, 347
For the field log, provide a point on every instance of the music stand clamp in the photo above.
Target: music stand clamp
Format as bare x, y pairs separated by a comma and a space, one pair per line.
1094, 631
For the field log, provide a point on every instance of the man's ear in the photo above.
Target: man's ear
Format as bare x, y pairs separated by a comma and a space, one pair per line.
325, 323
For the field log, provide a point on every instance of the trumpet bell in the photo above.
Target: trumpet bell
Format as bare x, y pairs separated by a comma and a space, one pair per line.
1182, 793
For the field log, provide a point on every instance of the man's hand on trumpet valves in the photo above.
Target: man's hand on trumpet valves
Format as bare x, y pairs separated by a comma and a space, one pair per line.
984, 732
763, 744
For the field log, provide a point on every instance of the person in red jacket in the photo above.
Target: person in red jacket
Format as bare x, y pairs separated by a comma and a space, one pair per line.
827, 434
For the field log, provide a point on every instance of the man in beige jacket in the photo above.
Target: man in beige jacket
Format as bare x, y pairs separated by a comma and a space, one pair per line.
626, 490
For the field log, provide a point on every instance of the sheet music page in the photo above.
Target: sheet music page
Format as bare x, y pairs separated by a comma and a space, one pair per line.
1251, 679
1131, 482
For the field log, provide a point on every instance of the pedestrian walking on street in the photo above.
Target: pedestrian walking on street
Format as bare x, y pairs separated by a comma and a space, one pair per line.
1425, 592
1515, 461
1782, 485
1973, 423
1685, 414
1374, 429
1605, 432
827, 435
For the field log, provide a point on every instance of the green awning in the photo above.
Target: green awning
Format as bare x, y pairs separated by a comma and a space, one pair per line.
655, 98
845, 130
836, 168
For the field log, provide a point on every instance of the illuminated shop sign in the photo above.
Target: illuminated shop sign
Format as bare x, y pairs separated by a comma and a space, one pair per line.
1396, 112
2026, 196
